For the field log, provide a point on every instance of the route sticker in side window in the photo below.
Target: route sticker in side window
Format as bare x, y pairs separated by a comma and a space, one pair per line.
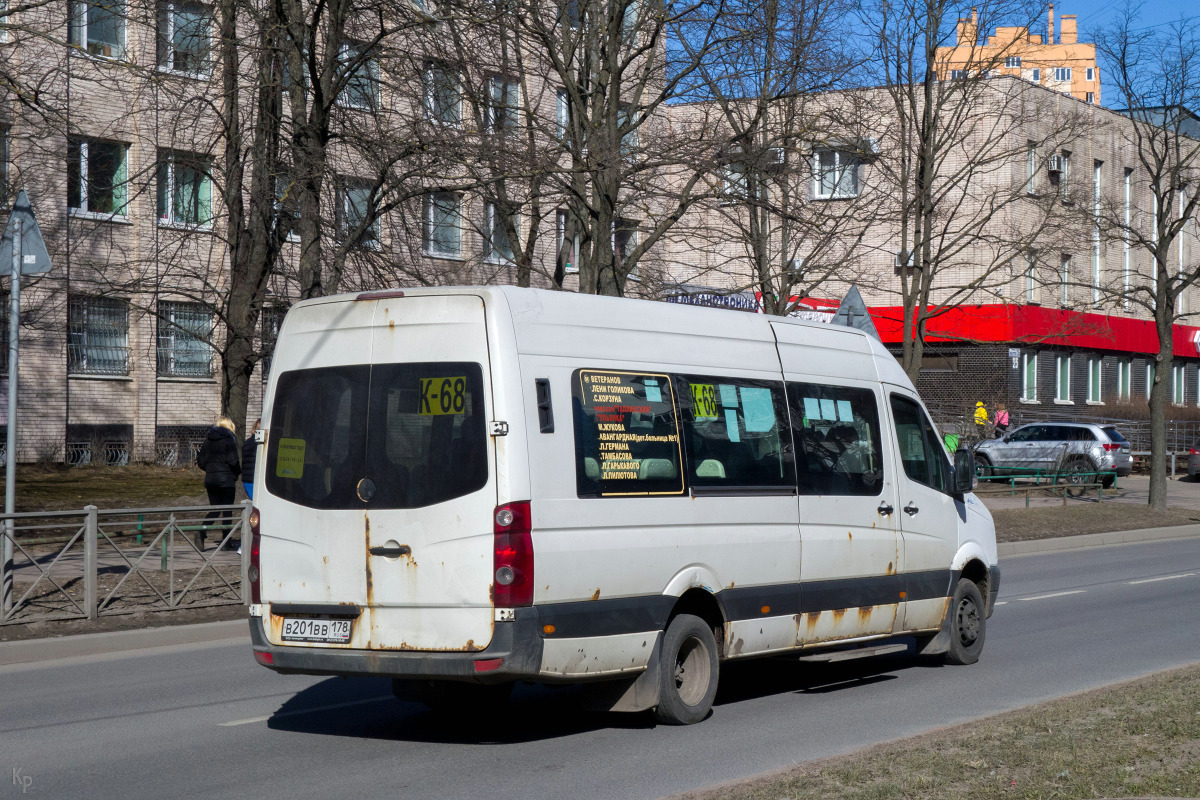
290, 461
627, 434
704, 401
443, 396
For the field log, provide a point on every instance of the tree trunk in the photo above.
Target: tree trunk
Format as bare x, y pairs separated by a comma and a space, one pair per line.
1159, 396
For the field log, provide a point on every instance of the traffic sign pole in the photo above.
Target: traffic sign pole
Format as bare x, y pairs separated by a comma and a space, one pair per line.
10, 467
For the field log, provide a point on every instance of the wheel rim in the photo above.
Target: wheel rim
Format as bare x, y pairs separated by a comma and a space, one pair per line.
693, 671
1075, 472
967, 617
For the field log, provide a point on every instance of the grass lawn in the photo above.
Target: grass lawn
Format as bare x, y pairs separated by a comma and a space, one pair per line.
58, 487
1025, 524
1136, 739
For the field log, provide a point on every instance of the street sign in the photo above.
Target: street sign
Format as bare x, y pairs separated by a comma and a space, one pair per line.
34, 258
853, 313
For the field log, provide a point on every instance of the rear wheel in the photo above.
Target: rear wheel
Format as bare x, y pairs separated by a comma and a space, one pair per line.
1075, 474
968, 624
687, 677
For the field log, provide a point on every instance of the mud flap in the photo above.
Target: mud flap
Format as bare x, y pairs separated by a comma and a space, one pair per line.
939, 644
627, 694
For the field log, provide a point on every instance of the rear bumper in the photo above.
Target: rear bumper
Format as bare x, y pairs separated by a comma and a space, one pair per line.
518, 645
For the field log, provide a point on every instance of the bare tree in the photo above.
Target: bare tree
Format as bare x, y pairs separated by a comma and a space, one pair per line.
1156, 75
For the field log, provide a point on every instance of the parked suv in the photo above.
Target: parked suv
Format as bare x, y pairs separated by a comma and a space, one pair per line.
1074, 447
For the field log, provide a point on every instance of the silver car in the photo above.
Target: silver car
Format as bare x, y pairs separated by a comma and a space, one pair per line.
1071, 447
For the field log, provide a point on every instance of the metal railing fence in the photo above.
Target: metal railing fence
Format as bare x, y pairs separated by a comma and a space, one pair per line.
90, 563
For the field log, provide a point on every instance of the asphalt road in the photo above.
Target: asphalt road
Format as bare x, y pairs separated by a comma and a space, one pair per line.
205, 721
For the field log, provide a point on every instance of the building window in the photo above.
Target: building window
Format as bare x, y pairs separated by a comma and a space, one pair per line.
97, 336
835, 174
361, 89
184, 330
497, 247
624, 242
1031, 167
1012, 62
442, 231
563, 115
184, 38
503, 111
625, 120
1062, 378
957, 74
443, 102
184, 189
1090, 74
1095, 366
1064, 281
1178, 382
733, 183
96, 177
1091, 98
287, 210
1031, 287
1127, 203
1036, 75
567, 241
1064, 177
98, 26
357, 220
1062, 73
272, 319
1029, 376
1124, 380
3, 166
947, 363
1149, 378
5, 306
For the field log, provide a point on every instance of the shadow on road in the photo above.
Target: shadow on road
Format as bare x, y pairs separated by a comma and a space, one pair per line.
364, 708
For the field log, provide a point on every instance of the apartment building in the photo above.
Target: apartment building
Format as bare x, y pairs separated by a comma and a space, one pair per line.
1056, 60
1039, 303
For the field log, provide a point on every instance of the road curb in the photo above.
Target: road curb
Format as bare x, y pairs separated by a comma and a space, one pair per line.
89, 644
1097, 540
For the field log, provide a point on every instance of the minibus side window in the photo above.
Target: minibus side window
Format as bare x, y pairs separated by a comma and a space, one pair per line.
837, 440
626, 434
922, 453
735, 431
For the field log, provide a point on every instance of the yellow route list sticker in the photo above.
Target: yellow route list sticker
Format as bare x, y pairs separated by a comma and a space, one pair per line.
443, 396
704, 401
289, 461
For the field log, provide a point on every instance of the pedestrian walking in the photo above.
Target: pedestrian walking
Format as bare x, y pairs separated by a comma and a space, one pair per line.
218, 457
981, 418
249, 457
1001, 420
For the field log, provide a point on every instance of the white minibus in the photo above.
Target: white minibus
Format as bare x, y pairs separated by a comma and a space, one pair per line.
462, 488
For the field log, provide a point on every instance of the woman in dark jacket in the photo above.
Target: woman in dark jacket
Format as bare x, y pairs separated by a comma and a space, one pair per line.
218, 457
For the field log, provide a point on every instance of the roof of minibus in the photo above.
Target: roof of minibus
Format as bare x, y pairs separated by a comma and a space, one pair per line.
549, 307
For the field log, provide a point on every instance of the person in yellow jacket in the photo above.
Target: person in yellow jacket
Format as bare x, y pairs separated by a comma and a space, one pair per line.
981, 417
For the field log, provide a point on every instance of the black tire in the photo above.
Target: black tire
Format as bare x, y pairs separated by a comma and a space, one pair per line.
1074, 474
968, 623
687, 675
1107, 481
454, 697
983, 466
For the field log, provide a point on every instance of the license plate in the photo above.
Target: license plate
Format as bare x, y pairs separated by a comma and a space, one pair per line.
334, 631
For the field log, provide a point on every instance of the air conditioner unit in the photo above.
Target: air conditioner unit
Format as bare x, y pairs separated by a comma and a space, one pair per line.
870, 146
776, 156
907, 262
1054, 163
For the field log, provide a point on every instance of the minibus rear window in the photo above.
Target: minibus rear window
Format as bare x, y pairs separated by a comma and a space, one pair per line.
383, 436
626, 434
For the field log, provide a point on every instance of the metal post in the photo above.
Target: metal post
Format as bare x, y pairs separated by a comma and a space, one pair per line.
10, 469
91, 532
245, 539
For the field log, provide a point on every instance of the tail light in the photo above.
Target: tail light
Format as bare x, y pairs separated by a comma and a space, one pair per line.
1193, 451
512, 560
252, 572
1113, 447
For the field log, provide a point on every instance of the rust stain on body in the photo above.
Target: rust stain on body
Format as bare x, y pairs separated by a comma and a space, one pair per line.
864, 614
595, 594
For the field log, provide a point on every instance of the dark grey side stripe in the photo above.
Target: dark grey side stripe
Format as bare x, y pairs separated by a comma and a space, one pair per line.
649, 613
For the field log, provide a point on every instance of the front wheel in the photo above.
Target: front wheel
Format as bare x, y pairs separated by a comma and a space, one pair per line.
983, 466
687, 676
968, 624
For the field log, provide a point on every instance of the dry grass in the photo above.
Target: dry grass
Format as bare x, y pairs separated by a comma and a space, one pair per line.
1134, 739
1025, 524
58, 487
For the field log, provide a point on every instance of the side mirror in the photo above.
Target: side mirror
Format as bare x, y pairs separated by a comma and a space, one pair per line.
964, 471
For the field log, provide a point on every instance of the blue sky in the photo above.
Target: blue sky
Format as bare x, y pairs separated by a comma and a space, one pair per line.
1097, 13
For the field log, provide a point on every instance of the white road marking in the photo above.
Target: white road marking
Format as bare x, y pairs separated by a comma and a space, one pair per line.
1054, 594
252, 720
1001, 602
1162, 578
